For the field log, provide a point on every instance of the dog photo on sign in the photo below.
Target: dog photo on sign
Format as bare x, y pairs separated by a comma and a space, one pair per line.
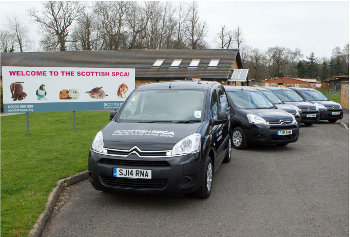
17, 91
122, 90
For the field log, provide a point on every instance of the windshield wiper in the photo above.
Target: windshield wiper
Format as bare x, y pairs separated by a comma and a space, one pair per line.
187, 121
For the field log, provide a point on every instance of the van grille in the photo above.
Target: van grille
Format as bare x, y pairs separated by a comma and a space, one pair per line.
134, 162
137, 151
134, 183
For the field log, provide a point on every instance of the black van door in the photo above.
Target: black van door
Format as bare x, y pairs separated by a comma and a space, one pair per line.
219, 129
223, 135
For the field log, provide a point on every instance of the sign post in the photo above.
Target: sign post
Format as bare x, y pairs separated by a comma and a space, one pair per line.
27, 116
73, 121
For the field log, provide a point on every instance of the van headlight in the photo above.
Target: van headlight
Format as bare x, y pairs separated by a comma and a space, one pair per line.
255, 119
97, 144
187, 145
297, 109
320, 106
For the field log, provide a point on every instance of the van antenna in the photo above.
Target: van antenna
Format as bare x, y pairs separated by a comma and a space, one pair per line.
170, 85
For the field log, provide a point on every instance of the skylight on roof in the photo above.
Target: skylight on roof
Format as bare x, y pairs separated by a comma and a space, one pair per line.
158, 63
194, 63
214, 63
176, 63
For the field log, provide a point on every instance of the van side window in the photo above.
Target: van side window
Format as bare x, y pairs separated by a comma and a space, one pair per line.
214, 105
223, 104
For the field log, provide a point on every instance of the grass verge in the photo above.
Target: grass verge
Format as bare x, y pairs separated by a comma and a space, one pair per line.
32, 165
335, 98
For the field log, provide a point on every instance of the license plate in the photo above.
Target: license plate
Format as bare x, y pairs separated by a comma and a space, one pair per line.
335, 113
284, 132
311, 115
132, 173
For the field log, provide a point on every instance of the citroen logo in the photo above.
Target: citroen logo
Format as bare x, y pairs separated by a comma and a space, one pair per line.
308, 109
281, 121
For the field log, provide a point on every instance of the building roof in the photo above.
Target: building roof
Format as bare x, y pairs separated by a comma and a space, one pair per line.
286, 80
140, 59
341, 77
309, 80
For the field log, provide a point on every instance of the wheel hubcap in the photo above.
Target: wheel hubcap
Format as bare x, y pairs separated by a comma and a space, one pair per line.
209, 176
229, 148
237, 138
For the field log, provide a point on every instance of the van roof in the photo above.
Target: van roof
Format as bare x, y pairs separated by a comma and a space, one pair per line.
276, 88
200, 85
239, 88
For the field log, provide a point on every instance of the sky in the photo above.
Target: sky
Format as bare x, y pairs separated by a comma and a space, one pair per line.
311, 26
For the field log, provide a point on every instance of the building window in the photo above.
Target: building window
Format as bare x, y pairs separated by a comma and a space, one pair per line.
214, 63
194, 63
158, 63
176, 63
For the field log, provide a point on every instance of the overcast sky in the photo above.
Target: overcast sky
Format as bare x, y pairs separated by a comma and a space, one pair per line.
310, 26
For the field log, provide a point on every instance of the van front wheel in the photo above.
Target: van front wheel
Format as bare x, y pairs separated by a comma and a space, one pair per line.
205, 189
239, 140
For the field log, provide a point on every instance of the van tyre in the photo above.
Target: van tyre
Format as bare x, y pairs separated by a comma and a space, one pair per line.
205, 189
227, 158
308, 124
239, 139
332, 120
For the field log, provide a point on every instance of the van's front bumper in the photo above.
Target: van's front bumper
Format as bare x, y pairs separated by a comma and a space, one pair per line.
269, 134
306, 116
170, 175
328, 114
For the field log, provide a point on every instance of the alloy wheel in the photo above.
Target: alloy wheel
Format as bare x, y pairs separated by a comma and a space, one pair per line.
209, 176
237, 138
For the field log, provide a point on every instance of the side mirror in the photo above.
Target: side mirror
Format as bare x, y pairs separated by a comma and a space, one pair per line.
223, 116
112, 114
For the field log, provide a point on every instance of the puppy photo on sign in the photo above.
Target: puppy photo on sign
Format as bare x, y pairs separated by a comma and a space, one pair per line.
122, 90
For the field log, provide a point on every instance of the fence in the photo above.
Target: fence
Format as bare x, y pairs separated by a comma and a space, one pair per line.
344, 100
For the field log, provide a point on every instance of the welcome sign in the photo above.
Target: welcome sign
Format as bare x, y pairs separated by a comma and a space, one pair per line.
50, 89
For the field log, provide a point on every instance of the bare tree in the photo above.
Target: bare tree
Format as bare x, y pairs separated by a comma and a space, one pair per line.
238, 37
111, 17
225, 38
56, 18
137, 21
84, 35
7, 43
18, 32
196, 30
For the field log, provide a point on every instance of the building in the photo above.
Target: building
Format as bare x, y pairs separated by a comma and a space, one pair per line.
285, 81
336, 82
151, 65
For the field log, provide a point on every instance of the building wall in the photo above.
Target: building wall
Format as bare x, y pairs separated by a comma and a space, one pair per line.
344, 99
285, 81
139, 82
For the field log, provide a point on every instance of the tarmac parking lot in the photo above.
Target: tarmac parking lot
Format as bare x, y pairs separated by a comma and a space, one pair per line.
298, 190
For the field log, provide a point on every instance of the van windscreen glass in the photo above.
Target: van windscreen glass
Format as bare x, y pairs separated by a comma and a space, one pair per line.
288, 95
164, 106
249, 100
272, 97
313, 95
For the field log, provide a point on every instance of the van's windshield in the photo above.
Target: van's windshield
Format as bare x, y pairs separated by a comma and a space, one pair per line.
249, 100
314, 95
164, 106
288, 95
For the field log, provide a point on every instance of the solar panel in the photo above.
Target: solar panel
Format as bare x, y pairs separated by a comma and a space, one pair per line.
239, 75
